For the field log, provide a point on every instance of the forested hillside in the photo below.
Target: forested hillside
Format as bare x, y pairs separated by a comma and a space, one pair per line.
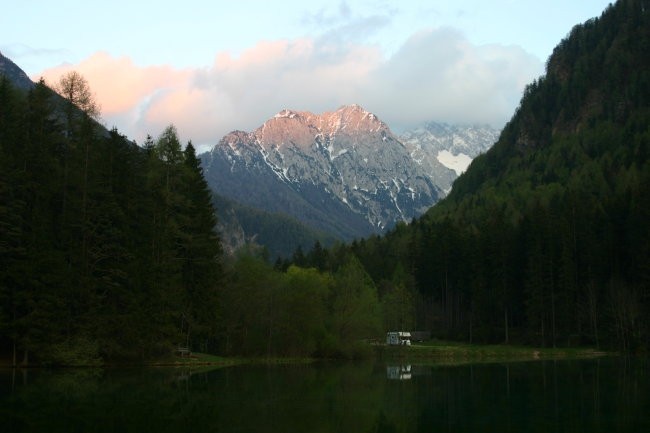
276, 234
107, 250
546, 238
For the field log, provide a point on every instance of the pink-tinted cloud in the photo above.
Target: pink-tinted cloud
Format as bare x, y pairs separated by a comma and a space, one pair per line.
436, 75
118, 83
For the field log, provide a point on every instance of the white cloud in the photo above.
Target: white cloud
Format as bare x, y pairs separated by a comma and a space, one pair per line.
435, 75
438, 75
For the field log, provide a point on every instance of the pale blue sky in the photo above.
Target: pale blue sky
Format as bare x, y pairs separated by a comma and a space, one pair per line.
42, 34
392, 47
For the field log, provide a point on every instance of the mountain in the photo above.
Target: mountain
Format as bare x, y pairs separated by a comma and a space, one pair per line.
440, 148
342, 172
16, 76
545, 239
591, 103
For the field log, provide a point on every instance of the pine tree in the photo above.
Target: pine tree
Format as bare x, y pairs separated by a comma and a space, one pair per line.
199, 251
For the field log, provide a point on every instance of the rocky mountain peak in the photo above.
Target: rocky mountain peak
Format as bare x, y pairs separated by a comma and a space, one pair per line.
341, 171
236, 139
288, 128
299, 129
351, 119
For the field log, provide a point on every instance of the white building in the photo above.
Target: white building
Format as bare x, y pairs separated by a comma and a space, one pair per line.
398, 338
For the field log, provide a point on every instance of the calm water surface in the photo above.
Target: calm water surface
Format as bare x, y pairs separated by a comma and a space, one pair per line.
606, 395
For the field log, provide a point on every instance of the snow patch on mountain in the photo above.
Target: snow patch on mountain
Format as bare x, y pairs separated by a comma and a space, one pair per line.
458, 163
445, 151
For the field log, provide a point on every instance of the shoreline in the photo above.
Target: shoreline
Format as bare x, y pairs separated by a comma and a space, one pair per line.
450, 353
435, 352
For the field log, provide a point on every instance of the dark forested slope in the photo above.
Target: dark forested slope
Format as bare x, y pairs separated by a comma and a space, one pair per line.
107, 250
592, 102
278, 234
546, 238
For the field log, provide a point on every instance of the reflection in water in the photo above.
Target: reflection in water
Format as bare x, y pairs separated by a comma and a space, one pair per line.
571, 396
398, 372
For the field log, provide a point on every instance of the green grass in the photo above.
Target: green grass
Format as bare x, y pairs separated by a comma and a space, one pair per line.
457, 353
434, 351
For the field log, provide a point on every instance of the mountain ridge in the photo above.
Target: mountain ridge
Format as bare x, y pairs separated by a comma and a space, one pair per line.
347, 163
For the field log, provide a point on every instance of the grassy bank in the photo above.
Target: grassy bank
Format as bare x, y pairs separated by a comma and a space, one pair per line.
446, 352
435, 351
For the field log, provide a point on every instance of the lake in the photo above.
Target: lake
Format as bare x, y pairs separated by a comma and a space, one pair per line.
601, 395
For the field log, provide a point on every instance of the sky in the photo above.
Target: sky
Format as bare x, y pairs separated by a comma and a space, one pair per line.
210, 67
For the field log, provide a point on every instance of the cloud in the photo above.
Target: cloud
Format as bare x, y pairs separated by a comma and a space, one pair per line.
439, 75
436, 75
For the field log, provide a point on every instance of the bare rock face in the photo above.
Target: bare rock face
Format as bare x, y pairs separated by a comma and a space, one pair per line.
344, 171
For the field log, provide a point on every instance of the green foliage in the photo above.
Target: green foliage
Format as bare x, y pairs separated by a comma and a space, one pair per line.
354, 306
300, 312
398, 301
303, 321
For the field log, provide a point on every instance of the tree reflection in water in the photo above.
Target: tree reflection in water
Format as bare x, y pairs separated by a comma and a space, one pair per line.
587, 395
